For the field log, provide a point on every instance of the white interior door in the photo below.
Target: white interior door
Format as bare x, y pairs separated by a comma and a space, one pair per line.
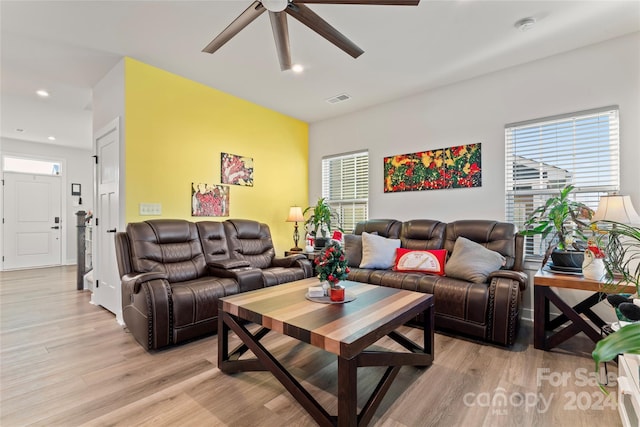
32, 220
107, 292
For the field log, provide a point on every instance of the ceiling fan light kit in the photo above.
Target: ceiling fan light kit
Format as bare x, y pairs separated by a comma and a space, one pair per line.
275, 5
278, 11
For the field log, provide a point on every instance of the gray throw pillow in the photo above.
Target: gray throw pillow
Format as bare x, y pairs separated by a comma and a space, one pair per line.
353, 248
378, 252
472, 262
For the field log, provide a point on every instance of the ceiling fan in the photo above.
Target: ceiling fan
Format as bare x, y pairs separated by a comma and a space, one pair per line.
278, 10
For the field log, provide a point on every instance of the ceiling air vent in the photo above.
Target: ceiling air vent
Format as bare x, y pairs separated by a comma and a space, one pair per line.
338, 98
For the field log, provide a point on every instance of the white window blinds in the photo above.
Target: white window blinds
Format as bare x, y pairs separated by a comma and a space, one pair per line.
345, 186
545, 155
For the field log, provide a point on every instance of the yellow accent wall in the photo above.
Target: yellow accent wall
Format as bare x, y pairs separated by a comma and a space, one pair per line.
175, 130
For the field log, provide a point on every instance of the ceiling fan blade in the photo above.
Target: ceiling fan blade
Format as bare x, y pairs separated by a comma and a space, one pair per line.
372, 2
245, 18
309, 18
281, 36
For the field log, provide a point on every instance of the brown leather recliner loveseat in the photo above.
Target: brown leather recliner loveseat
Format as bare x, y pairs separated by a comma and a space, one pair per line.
488, 310
174, 271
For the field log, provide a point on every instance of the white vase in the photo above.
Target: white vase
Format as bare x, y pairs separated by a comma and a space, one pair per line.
592, 267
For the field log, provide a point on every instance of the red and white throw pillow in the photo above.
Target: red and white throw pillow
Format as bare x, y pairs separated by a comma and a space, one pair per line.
421, 261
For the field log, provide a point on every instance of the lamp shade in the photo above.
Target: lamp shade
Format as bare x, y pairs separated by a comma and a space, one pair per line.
616, 208
295, 214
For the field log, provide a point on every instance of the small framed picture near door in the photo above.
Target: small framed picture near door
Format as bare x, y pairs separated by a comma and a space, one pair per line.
75, 190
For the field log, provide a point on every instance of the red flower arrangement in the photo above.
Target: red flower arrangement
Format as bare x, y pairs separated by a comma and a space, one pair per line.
331, 264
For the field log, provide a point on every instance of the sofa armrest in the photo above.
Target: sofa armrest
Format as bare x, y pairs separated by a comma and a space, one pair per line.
288, 261
505, 297
248, 278
307, 267
519, 276
135, 280
147, 308
295, 261
229, 263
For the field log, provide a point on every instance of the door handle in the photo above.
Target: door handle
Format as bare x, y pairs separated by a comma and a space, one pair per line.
113, 230
55, 227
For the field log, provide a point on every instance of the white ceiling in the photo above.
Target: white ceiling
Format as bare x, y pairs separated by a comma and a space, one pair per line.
68, 46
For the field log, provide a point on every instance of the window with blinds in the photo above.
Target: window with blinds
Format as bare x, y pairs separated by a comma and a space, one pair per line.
545, 155
345, 186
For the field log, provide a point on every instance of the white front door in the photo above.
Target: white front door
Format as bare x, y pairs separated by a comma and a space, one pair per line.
107, 292
32, 220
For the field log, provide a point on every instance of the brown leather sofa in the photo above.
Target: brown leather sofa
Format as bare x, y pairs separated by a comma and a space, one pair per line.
173, 272
490, 310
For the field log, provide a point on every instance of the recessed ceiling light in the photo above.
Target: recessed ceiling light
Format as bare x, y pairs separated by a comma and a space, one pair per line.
51, 138
297, 68
525, 24
42, 93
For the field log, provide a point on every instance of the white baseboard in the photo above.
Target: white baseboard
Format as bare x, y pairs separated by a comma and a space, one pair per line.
526, 315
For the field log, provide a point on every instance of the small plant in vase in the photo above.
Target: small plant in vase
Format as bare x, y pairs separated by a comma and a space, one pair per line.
331, 266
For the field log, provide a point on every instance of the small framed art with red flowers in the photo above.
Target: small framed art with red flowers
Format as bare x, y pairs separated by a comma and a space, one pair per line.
452, 167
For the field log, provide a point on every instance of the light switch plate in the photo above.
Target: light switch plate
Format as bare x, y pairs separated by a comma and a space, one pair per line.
150, 209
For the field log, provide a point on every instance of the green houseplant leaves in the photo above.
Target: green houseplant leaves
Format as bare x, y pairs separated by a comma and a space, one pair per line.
322, 217
557, 220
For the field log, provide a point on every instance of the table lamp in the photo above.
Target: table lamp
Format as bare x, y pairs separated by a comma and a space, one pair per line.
616, 208
295, 216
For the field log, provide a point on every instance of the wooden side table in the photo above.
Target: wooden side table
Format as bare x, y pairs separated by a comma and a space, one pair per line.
543, 294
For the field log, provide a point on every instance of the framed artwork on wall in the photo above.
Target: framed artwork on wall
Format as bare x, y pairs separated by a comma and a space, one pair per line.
209, 200
236, 170
453, 167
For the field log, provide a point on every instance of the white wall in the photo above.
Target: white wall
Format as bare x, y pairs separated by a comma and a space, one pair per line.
108, 105
77, 168
477, 110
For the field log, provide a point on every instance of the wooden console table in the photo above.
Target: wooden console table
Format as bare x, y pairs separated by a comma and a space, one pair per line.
543, 294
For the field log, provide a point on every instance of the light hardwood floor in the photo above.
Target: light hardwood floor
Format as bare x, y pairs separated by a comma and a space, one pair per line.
66, 362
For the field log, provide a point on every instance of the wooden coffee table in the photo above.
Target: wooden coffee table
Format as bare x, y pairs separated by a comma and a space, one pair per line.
346, 330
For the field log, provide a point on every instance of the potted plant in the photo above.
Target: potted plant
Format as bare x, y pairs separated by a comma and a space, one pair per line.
622, 262
320, 221
622, 249
559, 220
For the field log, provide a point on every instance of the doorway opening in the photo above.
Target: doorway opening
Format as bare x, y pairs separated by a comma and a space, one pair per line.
33, 212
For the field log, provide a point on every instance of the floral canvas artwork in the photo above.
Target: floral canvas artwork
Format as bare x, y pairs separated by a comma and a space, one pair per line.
209, 200
452, 167
236, 170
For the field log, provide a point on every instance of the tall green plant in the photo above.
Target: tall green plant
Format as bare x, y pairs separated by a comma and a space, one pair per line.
557, 220
624, 340
322, 217
622, 261
622, 253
